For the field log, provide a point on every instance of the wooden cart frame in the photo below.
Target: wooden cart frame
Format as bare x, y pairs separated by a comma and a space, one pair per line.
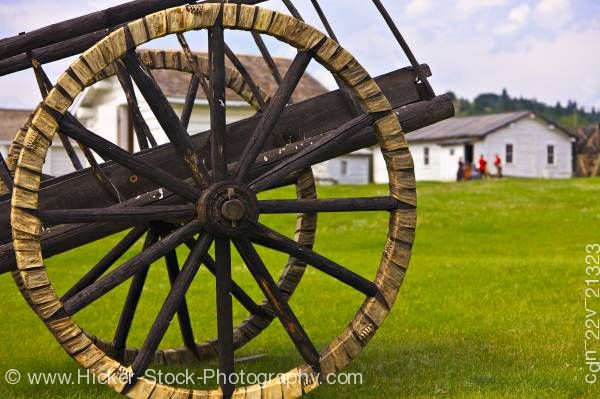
199, 190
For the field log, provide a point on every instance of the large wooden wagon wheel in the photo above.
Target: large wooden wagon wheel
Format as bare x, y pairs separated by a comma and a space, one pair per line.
219, 204
260, 314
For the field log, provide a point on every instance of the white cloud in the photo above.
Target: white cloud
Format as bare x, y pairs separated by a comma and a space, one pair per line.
517, 18
26, 16
418, 7
469, 7
553, 13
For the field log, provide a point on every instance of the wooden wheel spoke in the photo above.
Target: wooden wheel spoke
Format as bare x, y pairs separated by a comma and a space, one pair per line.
108, 150
357, 204
245, 74
142, 131
5, 175
128, 215
224, 314
238, 292
129, 268
198, 79
99, 174
190, 100
275, 297
272, 113
311, 154
218, 124
183, 313
264, 51
269, 238
170, 306
132, 300
106, 262
166, 117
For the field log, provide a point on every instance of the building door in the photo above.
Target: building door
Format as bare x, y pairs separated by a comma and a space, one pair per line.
468, 154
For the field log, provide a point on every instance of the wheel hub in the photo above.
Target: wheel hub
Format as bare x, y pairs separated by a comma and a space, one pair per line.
226, 209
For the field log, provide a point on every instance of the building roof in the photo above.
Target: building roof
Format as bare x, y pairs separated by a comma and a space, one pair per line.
175, 84
466, 129
11, 120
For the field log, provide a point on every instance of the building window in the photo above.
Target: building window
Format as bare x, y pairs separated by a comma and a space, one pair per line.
509, 154
550, 154
426, 155
344, 168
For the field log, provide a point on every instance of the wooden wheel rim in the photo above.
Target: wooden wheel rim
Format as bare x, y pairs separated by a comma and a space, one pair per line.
254, 324
26, 228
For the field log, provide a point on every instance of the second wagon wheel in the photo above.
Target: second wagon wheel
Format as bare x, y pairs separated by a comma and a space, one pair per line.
260, 314
220, 204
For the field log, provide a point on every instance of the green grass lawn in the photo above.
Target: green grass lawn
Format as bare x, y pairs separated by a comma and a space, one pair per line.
492, 306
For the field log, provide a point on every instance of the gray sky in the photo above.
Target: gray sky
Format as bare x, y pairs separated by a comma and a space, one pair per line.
544, 49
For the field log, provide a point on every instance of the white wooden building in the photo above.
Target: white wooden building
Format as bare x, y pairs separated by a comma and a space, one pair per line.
528, 145
353, 168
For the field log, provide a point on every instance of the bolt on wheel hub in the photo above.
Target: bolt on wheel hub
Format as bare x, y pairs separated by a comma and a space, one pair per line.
226, 209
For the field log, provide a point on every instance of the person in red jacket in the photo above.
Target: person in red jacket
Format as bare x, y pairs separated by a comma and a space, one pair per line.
482, 166
498, 165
